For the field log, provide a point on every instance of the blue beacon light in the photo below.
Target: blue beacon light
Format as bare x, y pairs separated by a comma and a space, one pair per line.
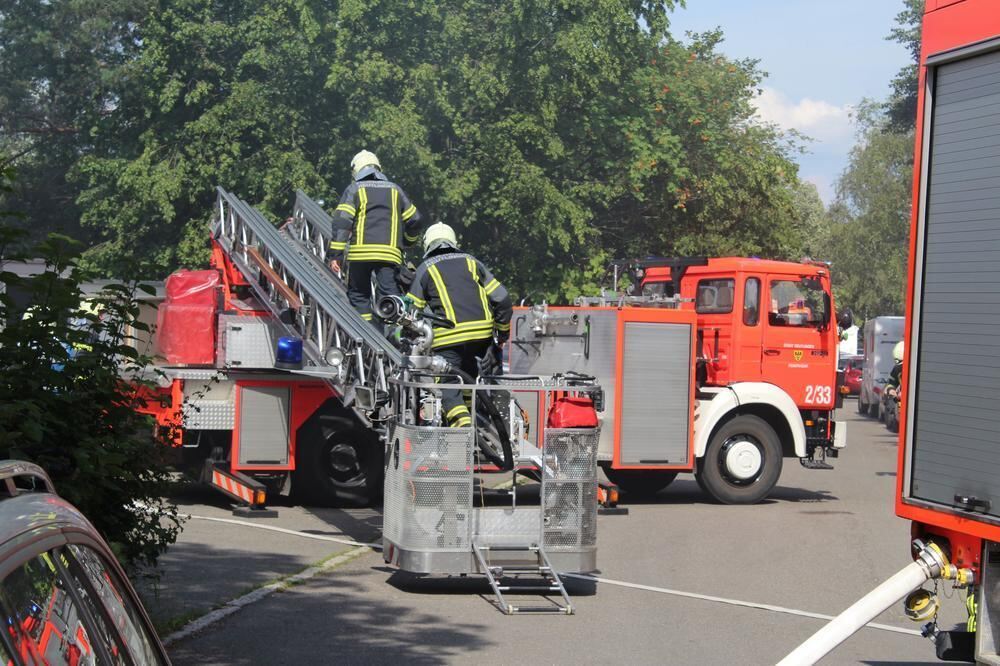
288, 354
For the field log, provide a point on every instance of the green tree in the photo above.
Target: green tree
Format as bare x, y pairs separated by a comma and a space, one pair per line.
870, 220
59, 68
554, 135
901, 108
64, 405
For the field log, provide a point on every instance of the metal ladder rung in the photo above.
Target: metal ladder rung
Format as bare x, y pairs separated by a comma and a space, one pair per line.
543, 568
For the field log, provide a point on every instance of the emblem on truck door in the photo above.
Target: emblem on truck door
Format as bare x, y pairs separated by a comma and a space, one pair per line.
797, 354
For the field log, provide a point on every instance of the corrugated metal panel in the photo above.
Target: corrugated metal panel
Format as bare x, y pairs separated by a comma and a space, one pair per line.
956, 426
264, 425
656, 393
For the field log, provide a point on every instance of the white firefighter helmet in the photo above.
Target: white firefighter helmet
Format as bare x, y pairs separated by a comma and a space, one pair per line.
437, 235
897, 352
364, 160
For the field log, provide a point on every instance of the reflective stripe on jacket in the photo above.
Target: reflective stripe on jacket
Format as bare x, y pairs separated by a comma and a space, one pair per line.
458, 287
376, 217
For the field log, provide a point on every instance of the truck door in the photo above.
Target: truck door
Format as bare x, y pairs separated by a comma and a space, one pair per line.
747, 331
797, 340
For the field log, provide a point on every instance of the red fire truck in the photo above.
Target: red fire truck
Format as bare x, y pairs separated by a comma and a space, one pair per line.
949, 469
948, 475
721, 367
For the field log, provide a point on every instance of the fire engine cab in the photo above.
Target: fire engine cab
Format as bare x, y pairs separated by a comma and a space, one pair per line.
721, 367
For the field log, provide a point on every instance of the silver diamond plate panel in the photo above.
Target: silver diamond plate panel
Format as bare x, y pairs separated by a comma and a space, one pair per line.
569, 488
428, 488
247, 342
209, 415
505, 525
571, 453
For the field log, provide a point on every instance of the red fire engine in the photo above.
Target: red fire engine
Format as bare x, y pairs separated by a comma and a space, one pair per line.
948, 483
720, 366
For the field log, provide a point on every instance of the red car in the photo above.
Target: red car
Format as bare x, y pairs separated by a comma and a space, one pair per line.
851, 366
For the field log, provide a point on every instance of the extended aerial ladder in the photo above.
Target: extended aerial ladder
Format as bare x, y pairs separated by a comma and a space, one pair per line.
287, 271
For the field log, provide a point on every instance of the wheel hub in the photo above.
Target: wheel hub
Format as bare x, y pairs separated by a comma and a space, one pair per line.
344, 460
742, 459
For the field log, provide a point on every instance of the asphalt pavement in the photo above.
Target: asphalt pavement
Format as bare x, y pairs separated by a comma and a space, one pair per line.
820, 542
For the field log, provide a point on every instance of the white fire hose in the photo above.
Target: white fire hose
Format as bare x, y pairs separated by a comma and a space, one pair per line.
930, 563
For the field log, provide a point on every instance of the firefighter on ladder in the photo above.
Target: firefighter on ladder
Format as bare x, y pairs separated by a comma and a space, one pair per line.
458, 287
377, 218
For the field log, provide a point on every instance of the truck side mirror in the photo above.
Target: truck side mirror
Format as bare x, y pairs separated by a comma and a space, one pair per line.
845, 319
827, 307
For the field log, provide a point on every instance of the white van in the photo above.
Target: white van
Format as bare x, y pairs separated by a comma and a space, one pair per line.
880, 335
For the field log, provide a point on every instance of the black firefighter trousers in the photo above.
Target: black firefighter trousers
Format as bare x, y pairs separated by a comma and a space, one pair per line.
465, 357
359, 284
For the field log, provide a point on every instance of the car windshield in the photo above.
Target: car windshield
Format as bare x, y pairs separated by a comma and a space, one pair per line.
797, 303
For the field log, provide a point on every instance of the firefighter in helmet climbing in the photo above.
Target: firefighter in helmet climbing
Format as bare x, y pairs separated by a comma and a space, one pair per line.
376, 218
458, 287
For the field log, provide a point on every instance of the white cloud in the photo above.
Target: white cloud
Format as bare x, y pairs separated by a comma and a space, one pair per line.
820, 120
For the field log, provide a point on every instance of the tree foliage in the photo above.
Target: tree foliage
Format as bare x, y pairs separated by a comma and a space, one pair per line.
868, 232
64, 405
60, 64
555, 135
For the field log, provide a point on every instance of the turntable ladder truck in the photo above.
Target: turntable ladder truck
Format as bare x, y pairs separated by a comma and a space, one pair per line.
251, 427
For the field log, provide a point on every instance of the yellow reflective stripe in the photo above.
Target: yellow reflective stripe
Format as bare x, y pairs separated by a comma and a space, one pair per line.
492, 286
419, 302
460, 409
474, 269
449, 311
367, 316
463, 422
394, 224
409, 212
362, 211
337, 245
470, 325
468, 337
409, 238
347, 208
387, 253
503, 327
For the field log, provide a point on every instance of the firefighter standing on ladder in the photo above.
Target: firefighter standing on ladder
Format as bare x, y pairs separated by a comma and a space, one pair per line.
377, 217
458, 287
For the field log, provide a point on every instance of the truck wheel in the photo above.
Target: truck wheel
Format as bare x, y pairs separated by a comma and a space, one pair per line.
640, 482
338, 463
742, 462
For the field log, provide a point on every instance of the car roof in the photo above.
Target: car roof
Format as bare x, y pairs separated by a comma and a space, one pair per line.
25, 512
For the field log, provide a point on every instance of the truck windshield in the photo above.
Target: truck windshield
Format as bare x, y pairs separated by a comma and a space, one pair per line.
796, 303
665, 289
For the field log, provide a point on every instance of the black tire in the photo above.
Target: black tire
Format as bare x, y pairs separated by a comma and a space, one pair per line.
492, 434
338, 462
892, 420
880, 412
640, 482
873, 410
723, 485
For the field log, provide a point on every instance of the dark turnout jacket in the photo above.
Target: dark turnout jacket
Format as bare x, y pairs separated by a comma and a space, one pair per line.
458, 287
376, 217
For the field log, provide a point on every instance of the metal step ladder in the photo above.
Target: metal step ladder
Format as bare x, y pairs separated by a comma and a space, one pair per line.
287, 272
506, 577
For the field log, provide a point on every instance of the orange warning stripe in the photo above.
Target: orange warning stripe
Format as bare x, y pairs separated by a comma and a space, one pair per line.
231, 486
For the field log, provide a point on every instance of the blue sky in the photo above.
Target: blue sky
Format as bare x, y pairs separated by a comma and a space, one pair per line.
822, 58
